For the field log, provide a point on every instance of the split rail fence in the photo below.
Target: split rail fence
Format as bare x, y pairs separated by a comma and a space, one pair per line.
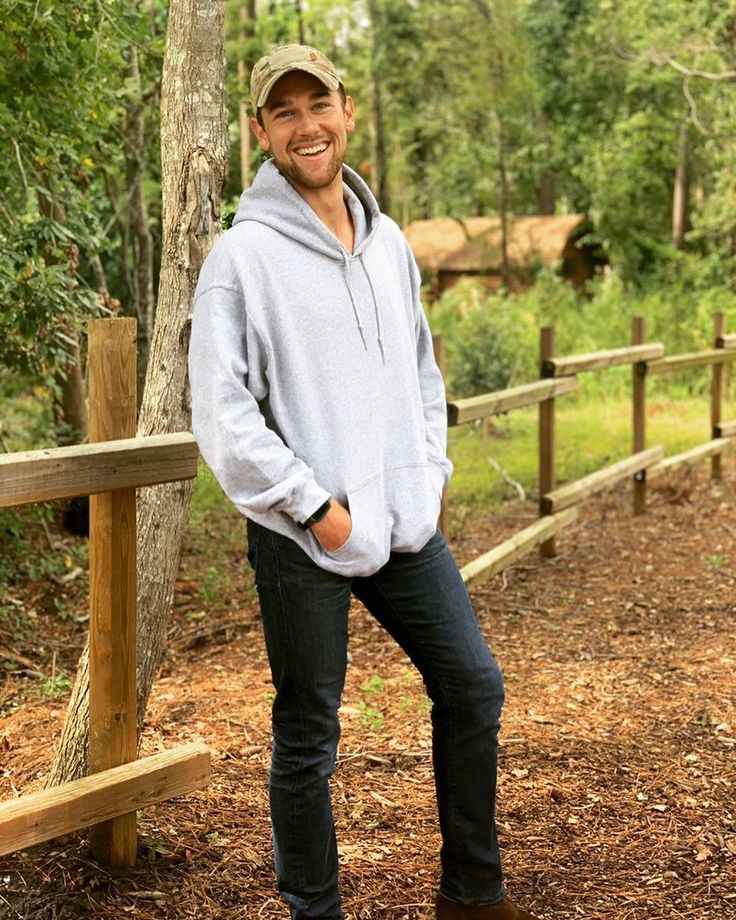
109, 471
558, 505
116, 463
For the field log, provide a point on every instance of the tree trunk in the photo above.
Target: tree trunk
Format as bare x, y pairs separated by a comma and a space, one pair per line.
680, 189
245, 65
194, 153
69, 404
142, 305
70, 407
379, 168
503, 207
546, 190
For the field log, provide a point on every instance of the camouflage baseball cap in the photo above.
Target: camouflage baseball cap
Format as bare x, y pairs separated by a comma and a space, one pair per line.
284, 59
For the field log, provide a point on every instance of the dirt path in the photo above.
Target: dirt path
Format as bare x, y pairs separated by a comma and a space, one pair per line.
618, 765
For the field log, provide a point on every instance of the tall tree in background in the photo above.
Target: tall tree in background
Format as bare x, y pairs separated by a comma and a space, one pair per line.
142, 301
194, 153
246, 29
379, 165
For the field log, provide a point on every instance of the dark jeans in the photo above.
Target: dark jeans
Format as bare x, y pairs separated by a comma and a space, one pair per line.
421, 600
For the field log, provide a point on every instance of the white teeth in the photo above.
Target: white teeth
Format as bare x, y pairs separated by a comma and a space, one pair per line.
307, 150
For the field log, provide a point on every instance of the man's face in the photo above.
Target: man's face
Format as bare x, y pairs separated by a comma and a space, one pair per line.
305, 128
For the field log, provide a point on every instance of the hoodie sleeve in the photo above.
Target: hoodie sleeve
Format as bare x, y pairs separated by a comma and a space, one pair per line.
256, 469
431, 384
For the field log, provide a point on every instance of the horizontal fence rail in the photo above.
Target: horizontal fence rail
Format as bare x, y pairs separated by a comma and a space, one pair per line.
689, 457
67, 472
574, 492
600, 360
725, 430
511, 550
50, 813
474, 408
559, 505
693, 359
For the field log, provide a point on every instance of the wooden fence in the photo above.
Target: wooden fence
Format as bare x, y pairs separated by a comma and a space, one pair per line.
558, 505
116, 463
109, 472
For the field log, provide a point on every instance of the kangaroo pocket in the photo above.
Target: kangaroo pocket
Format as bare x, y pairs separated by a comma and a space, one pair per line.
396, 510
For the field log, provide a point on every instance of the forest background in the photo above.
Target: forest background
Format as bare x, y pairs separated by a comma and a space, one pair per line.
624, 111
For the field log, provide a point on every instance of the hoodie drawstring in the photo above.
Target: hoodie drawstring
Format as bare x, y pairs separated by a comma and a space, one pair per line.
375, 307
356, 312
346, 265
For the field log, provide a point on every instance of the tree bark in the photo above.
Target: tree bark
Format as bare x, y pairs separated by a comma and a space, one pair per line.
69, 403
380, 160
504, 203
142, 306
194, 153
245, 65
546, 191
680, 189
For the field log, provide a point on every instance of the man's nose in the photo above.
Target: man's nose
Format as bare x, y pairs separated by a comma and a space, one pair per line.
308, 123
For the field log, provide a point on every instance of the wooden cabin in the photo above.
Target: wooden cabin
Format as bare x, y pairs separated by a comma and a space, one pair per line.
448, 249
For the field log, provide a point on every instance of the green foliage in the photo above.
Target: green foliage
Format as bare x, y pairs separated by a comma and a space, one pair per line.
55, 686
492, 338
62, 96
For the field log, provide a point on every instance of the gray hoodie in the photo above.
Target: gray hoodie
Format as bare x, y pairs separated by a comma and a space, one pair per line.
313, 375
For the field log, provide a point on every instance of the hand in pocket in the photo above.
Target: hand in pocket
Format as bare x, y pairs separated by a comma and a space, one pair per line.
334, 529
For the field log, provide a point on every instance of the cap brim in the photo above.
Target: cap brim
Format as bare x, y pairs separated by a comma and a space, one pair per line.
322, 74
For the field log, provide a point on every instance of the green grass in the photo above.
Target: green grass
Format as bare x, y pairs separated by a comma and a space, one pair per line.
590, 434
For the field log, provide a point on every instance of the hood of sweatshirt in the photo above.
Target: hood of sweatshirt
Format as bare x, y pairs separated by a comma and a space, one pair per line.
273, 202
313, 376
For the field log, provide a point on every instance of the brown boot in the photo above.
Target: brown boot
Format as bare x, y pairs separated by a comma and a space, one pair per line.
504, 910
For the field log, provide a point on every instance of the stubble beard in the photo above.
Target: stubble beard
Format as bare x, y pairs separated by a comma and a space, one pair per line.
297, 177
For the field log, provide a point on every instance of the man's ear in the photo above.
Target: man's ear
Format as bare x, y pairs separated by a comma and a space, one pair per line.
261, 135
349, 111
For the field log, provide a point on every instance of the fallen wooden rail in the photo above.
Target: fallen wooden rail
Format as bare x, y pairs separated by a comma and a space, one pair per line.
692, 359
508, 552
598, 360
87, 469
688, 457
81, 803
461, 411
574, 492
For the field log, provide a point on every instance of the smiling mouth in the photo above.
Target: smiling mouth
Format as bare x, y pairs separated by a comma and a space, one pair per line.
312, 151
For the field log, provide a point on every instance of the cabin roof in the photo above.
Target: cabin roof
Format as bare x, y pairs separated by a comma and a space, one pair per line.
474, 244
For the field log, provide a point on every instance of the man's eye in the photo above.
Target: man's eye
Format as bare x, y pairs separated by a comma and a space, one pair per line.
283, 114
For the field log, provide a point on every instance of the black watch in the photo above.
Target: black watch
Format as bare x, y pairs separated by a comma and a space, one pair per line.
316, 517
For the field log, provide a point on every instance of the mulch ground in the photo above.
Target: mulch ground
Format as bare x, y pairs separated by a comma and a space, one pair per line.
617, 788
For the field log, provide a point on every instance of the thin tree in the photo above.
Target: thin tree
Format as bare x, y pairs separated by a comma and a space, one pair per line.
194, 154
139, 233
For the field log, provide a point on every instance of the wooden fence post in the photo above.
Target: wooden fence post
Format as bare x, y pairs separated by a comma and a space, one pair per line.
639, 414
547, 474
113, 733
440, 356
716, 395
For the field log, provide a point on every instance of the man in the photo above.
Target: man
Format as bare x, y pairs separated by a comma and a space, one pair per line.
319, 407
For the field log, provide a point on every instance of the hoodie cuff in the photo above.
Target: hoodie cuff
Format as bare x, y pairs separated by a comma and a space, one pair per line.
307, 501
440, 472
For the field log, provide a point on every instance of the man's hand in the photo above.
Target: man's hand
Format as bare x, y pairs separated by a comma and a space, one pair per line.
334, 528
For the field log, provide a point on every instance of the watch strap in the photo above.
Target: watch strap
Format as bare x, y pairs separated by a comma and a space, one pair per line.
316, 517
